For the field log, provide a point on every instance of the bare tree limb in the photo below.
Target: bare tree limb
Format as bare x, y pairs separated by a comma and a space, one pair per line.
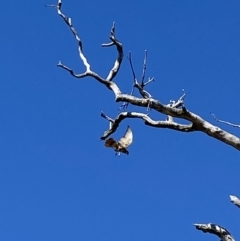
113, 72
147, 120
145, 94
89, 72
172, 110
140, 87
215, 229
235, 200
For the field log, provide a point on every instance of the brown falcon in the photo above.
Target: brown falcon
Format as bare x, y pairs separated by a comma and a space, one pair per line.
122, 144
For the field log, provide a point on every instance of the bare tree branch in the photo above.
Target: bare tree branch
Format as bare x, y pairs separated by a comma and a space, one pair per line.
147, 120
113, 72
172, 110
140, 87
215, 229
145, 94
89, 72
235, 200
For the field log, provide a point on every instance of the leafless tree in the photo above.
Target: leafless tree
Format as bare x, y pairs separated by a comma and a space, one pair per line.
171, 110
174, 109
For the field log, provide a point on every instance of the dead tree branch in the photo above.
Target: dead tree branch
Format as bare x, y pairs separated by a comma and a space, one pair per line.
235, 200
147, 120
172, 110
145, 94
215, 229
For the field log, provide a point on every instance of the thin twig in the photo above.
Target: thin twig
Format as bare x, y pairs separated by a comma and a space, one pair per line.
144, 68
225, 122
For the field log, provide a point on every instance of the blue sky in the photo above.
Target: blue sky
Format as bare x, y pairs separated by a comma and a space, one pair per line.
57, 180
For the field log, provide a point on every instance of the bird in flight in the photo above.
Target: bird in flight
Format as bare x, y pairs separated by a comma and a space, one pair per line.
122, 144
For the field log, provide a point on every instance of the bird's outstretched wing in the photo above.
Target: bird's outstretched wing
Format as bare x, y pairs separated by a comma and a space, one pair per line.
127, 139
111, 143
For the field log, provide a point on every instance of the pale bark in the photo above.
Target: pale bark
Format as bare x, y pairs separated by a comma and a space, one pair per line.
235, 200
172, 110
215, 229
175, 109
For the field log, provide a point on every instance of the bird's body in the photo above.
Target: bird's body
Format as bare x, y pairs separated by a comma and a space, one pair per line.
122, 144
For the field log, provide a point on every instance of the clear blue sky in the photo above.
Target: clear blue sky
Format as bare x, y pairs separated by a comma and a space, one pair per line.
57, 180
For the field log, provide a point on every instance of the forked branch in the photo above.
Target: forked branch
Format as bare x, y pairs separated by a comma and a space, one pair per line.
147, 120
172, 110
